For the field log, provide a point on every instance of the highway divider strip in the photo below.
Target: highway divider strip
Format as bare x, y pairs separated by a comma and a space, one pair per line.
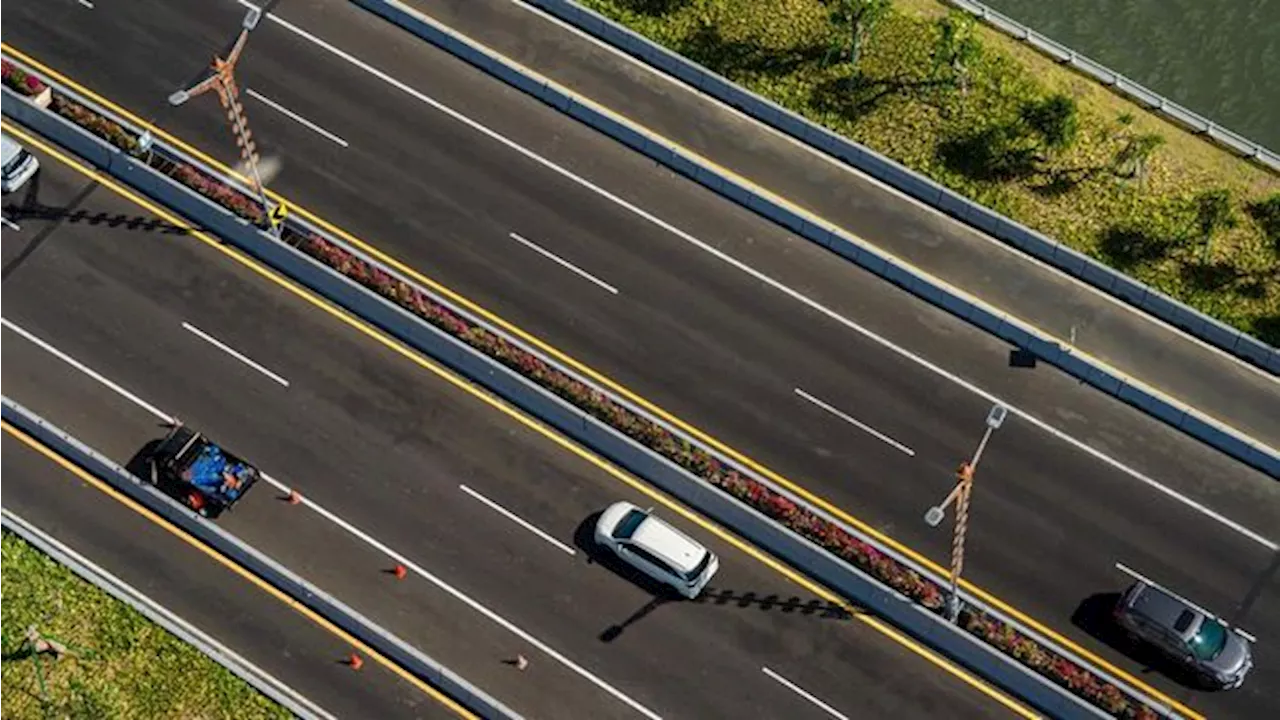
443, 685
1073, 263
502, 364
933, 290
86, 569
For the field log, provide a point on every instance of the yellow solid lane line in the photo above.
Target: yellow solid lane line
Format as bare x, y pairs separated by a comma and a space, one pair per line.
459, 382
231, 565
608, 382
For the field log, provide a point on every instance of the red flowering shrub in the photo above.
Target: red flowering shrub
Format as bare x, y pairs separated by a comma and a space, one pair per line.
19, 80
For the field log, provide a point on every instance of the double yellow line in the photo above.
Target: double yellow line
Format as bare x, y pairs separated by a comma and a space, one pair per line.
602, 380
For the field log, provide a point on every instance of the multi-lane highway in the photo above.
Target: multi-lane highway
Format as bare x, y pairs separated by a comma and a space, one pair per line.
517, 208
397, 464
226, 606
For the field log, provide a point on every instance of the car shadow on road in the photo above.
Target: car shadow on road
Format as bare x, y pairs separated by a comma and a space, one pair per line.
1094, 616
792, 605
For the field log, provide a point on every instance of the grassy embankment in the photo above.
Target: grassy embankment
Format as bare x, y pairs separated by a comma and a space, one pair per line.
1090, 169
128, 667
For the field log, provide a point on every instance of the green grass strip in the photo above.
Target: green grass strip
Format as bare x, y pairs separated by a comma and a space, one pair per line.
125, 666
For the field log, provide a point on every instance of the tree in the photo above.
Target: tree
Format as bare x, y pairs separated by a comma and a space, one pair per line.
1055, 119
855, 20
1130, 160
1213, 213
957, 49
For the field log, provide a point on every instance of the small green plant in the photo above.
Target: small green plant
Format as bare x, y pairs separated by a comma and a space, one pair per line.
854, 22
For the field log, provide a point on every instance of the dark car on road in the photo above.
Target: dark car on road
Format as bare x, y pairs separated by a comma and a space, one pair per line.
1216, 654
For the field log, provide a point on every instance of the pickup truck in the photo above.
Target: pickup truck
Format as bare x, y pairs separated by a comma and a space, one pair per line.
199, 473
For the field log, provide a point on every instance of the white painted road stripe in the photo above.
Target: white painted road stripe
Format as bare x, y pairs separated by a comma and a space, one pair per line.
466, 600
87, 4
517, 519
785, 290
233, 352
564, 263
852, 421
369, 540
804, 694
87, 371
293, 116
9, 223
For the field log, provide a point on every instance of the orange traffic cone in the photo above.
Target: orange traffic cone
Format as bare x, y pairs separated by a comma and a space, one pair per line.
294, 497
399, 571
355, 662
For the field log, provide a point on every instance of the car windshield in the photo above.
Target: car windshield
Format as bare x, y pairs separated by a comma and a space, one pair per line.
15, 161
1209, 640
627, 526
697, 570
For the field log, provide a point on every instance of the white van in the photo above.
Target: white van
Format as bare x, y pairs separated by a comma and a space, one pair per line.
19, 165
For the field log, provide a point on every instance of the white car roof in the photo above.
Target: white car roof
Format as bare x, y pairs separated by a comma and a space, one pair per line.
10, 148
668, 543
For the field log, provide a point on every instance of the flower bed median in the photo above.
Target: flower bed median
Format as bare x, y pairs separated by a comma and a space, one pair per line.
680, 451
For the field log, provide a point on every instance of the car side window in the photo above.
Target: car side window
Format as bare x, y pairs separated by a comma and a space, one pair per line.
648, 557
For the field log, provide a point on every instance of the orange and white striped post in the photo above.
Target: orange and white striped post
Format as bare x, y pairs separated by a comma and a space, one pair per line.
961, 494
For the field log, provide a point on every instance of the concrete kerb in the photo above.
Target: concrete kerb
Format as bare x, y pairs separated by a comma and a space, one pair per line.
266, 684
862, 158
262, 566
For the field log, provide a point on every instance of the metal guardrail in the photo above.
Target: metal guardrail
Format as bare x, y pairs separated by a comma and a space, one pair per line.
1130, 90
248, 557
265, 683
1060, 256
845, 579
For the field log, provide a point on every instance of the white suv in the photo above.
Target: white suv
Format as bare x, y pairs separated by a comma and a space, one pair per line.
656, 549
19, 165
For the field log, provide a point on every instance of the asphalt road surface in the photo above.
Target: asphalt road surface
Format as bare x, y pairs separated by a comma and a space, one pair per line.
223, 604
402, 458
700, 337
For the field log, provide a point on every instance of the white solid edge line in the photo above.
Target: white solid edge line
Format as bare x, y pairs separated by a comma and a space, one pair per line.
517, 519
351, 529
465, 599
564, 263
87, 370
233, 352
853, 421
164, 617
760, 276
86, 3
293, 116
9, 223
804, 694
890, 189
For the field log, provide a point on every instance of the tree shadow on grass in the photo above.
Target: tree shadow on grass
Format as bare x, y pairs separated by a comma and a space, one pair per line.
653, 7
1267, 329
1129, 246
706, 46
858, 95
1210, 276
994, 154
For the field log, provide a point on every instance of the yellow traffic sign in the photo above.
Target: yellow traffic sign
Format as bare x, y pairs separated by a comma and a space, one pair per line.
278, 214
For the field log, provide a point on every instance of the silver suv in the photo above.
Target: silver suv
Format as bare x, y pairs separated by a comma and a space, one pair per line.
1198, 641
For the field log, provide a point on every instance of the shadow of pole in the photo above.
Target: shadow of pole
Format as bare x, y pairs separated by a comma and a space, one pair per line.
612, 632
814, 607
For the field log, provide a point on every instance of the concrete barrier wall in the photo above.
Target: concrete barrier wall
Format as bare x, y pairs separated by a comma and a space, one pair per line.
1211, 330
260, 565
295, 703
778, 541
1182, 417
